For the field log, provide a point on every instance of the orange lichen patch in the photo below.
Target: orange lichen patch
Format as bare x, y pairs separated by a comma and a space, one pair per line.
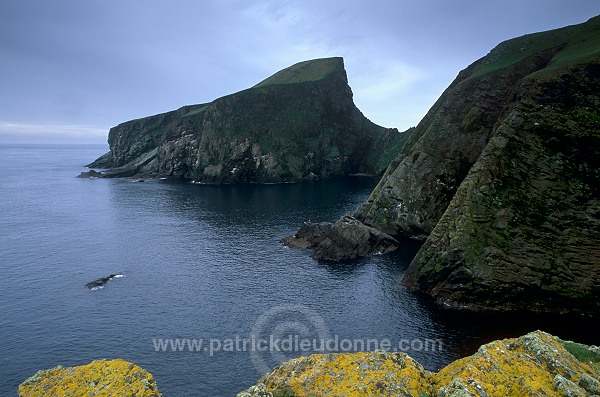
532, 365
358, 374
536, 364
100, 378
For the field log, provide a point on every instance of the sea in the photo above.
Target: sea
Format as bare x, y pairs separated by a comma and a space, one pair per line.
204, 296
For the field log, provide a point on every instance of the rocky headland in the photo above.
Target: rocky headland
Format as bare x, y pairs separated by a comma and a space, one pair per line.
299, 124
501, 179
536, 364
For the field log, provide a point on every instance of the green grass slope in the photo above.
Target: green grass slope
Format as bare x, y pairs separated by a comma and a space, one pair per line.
575, 44
301, 72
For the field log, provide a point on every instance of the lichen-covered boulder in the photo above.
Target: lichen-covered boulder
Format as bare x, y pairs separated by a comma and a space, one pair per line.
100, 378
537, 364
338, 374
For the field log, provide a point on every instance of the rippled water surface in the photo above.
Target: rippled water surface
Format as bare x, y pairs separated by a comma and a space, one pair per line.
200, 262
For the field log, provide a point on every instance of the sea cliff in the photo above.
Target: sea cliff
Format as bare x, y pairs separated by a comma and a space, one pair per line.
501, 179
301, 123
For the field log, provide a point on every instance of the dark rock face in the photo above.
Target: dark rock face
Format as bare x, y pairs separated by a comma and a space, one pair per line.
300, 123
501, 177
349, 238
523, 230
310, 235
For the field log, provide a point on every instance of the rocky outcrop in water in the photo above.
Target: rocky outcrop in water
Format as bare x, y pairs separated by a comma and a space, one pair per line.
502, 179
350, 235
336, 240
310, 235
100, 378
300, 123
537, 364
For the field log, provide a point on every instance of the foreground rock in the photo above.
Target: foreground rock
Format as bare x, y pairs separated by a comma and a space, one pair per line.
100, 378
502, 179
537, 364
299, 124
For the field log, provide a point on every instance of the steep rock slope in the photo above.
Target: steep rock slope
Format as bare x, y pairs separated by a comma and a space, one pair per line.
537, 364
299, 123
421, 182
522, 231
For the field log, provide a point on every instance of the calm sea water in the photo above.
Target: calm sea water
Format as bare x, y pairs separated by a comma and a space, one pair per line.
199, 262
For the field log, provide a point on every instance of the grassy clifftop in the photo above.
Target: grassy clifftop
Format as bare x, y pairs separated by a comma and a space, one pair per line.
312, 70
568, 46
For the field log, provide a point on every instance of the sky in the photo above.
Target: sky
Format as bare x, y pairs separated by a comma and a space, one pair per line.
71, 69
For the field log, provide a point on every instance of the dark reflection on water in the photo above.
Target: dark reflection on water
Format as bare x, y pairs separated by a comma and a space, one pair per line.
199, 262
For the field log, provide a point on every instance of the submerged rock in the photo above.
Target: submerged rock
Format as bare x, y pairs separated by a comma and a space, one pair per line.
299, 124
537, 364
100, 378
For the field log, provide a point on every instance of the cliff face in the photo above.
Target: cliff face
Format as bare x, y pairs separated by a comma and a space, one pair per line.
523, 229
501, 177
421, 182
299, 123
537, 364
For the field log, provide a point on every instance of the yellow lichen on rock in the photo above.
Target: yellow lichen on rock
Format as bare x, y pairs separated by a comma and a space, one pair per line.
358, 374
100, 378
537, 364
533, 365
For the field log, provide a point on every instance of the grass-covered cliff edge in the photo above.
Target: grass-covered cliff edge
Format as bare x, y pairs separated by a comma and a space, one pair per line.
536, 364
301, 123
502, 179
